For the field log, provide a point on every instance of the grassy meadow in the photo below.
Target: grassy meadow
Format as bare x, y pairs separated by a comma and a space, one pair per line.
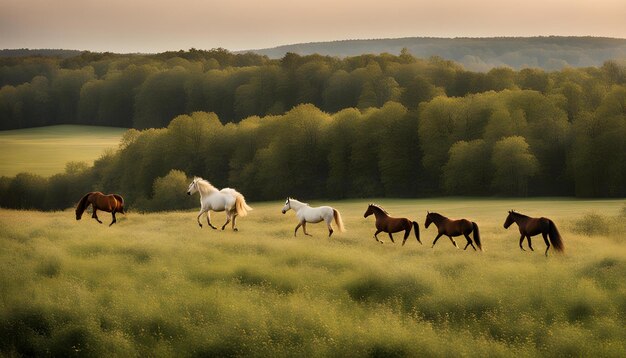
158, 285
46, 150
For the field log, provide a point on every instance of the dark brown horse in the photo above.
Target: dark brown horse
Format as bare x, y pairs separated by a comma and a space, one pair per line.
111, 203
529, 227
386, 223
452, 228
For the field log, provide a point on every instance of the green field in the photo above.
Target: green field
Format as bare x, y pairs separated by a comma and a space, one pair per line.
158, 285
46, 150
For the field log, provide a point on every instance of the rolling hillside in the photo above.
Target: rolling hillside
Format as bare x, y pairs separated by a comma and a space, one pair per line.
46, 150
477, 54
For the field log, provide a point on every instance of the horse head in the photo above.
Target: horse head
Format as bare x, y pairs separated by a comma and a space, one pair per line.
509, 219
429, 220
193, 187
369, 211
287, 205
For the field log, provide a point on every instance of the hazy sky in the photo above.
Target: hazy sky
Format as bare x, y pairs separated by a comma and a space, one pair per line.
154, 25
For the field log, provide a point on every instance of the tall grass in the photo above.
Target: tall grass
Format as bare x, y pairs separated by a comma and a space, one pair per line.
157, 285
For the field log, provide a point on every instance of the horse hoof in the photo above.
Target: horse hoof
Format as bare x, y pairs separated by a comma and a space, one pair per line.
235, 229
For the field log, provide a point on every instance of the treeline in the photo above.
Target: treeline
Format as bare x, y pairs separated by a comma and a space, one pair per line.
509, 143
551, 53
106, 88
147, 91
25, 52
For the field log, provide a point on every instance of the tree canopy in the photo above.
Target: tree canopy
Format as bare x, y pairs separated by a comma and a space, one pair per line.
322, 127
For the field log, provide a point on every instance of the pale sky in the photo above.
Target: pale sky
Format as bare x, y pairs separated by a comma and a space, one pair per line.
156, 26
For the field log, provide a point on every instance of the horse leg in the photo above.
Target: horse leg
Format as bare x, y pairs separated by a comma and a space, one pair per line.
521, 240
304, 229
530, 243
94, 214
114, 220
469, 242
453, 242
296, 230
227, 219
545, 238
406, 235
391, 237
208, 219
330, 230
376, 237
234, 219
199, 215
437, 238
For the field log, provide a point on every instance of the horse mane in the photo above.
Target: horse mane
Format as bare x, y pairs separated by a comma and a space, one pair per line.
298, 201
205, 185
379, 208
518, 214
437, 215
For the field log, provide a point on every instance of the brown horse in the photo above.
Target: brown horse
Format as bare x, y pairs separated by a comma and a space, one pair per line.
111, 203
452, 228
386, 223
529, 227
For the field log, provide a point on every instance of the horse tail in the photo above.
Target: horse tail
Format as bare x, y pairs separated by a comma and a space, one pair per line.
555, 237
82, 205
477, 235
417, 231
241, 206
338, 220
121, 203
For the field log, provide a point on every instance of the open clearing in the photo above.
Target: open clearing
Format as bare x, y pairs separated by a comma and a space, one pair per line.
158, 285
46, 150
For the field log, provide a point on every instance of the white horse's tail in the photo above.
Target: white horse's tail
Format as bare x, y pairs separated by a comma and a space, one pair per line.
338, 220
241, 206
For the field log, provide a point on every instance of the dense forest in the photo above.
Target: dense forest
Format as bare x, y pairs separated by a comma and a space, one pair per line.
147, 91
320, 127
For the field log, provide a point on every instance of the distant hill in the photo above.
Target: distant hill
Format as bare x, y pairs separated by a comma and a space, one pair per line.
477, 54
24, 52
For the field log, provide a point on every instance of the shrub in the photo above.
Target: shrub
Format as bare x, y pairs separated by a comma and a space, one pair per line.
592, 224
595, 224
169, 193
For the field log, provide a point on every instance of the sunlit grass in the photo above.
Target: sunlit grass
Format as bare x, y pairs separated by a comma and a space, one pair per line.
158, 285
46, 150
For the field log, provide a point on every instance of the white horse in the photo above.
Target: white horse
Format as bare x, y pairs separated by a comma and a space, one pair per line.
227, 199
307, 214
